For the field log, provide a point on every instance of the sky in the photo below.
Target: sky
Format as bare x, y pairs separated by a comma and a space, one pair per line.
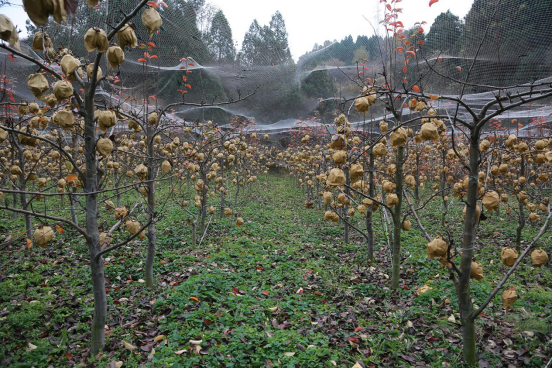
309, 21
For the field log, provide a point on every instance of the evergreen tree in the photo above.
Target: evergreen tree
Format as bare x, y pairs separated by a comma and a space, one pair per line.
221, 45
444, 34
267, 45
279, 39
250, 53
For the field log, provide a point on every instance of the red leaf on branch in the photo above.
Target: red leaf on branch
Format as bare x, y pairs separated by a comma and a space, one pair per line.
415, 88
431, 2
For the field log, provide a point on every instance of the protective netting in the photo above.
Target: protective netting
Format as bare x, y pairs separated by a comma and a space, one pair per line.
193, 58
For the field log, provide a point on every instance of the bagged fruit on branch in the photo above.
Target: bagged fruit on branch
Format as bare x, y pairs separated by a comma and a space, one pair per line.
132, 226
151, 20
362, 104
336, 177
356, 173
127, 37
509, 297
392, 200
476, 271
96, 39
120, 213
104, 146
539, 257
508, 256
398, 137
63, 90
437, 248
8, 32
115, 56
141, 171
384, 127
43, 235
331, 216
166, 167
339, 157
491, 201
38, 84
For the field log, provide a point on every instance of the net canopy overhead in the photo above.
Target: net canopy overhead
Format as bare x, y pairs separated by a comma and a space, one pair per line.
192, 57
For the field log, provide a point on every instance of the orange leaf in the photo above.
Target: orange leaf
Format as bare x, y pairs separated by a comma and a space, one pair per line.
141, 60
151, 44
59, 229
195, 299
431, 2
434, 97
415, 88
153, 57
153, 98
29, 243
188, 86
71, 177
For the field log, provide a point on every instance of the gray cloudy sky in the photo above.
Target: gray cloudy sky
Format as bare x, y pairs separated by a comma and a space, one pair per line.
310, 21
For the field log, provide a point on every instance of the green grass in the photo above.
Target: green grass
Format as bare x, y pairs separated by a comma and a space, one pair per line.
282, 290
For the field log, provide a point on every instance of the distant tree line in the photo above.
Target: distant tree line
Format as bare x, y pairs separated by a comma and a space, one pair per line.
206, 35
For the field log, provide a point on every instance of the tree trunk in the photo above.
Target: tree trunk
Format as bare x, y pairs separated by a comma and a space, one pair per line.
203, 208
417, 178
464, 294
443, 185
100, 303
369, 212
194, 232
72, 200
93, 241
23, 196
237, 192
397, 223
151, 211
468, 337
346, 208
521, 218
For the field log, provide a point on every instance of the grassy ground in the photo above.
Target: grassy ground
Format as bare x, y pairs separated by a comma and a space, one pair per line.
280, 291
